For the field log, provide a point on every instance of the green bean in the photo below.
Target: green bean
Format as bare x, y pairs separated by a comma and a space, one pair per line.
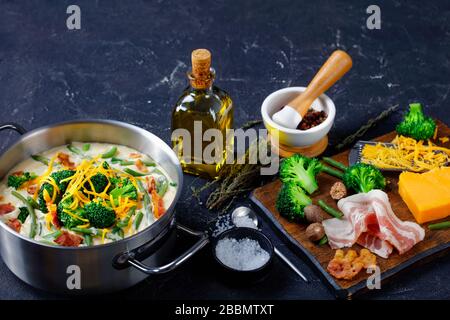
126, 220
41, 159
138, 220
147, 200
109, 154
323, 241
47, 242
335, 163
135, 173
88, 239
173, 184
33, 225
74, 149
332, 172
122, 162
52, 235
89, 231
33, 202
330, 210
86, 147
439, 226
95, 233
149, 163
162, 185
118, 231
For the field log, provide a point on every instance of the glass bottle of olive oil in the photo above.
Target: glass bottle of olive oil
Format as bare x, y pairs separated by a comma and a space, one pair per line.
201, 107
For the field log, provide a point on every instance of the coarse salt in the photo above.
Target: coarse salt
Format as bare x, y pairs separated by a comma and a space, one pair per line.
244, 221
244, 254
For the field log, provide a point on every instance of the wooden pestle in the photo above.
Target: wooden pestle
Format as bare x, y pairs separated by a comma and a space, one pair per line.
332, 70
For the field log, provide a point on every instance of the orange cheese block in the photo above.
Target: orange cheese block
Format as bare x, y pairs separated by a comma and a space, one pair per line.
426, 194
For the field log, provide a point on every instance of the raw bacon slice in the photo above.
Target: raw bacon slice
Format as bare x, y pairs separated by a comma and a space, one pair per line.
369, 220
380, 247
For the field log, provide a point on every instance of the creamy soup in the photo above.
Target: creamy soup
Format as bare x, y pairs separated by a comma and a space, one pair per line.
84, 194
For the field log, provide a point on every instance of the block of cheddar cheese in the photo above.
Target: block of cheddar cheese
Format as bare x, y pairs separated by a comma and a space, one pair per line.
426, 194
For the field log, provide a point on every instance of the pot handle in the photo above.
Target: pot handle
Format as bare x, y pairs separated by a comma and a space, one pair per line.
13, 126
201, 242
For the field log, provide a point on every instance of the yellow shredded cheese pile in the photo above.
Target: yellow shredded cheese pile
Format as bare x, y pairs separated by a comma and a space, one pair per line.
408, 154
81, 196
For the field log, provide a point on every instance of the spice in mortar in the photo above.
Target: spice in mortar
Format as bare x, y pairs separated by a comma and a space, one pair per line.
311, 119
244, 254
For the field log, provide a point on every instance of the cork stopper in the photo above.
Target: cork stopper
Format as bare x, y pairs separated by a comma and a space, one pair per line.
201, 69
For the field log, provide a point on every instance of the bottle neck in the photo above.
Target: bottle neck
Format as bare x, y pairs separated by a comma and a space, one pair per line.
202, 82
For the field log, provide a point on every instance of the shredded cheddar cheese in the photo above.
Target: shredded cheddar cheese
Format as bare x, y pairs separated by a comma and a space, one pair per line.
444, 139
408, 154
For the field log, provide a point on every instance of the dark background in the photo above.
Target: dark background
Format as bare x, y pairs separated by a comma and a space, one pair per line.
128, 63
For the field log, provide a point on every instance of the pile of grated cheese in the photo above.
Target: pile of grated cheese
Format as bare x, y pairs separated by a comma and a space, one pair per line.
408, 154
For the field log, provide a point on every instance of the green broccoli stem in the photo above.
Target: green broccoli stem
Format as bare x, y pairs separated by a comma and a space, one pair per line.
439, 226
335, 163
330, 210
333, 172
109, 154
33, 225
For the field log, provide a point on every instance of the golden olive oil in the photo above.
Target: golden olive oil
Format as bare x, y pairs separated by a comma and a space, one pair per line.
202, 106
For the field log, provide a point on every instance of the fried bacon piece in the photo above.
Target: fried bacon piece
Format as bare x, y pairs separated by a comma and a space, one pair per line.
347, 266
68, 239
6, 208
32, 188
135, 155
151, 184
141, 166
52, 211
158, 204
14, 224
64, 159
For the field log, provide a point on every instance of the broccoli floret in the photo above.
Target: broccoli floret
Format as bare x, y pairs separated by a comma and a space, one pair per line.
57, 176
124, 189
41, 200
105, 165
23, 214
99, 181
70, 220
363, 177
16, 180
99, 216
291, 201
301, 170
415, 124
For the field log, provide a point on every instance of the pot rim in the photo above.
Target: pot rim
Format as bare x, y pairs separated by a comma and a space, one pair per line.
164, 220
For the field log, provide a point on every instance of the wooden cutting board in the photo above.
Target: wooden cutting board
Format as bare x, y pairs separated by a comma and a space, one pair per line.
435, 243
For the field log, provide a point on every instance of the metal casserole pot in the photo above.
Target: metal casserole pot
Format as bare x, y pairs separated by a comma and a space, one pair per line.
101, 268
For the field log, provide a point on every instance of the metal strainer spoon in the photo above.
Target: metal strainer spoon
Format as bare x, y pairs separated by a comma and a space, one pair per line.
241, 212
